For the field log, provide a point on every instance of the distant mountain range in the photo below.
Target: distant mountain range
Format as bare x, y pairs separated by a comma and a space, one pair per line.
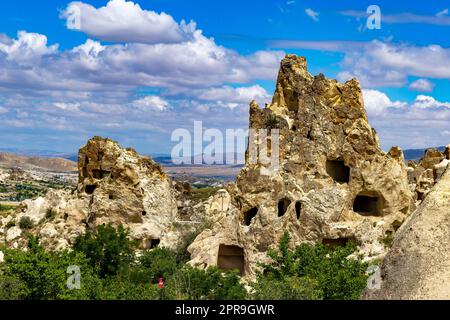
56, 164
163, 159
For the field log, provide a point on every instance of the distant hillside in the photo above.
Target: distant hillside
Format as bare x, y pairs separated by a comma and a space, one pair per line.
416, 154
9, 160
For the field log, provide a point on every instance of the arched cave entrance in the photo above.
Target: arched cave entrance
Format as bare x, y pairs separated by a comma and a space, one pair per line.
337, 170
230, 258
368, 204
151, 243
283, 204
249, 215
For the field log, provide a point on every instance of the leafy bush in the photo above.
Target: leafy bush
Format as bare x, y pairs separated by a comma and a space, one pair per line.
11, 223
159, 262
289, 288
211, 284
25, 223
50, 214
38, 274
108, 249
271, 122
336, 275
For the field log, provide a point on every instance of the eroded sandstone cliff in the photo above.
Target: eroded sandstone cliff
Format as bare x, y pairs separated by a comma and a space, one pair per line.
334, 183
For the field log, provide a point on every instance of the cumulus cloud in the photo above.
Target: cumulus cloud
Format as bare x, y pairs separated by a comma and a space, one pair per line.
381, 64
312, 14
232, 97
422, 85
420, 123
126, 21
27, 48
150, 103
377, 102
388, 64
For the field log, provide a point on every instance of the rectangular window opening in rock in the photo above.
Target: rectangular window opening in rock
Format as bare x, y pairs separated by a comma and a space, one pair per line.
367, 205
231, 258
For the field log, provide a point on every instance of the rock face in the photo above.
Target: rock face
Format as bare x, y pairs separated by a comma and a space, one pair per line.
418, 264
334, 183
115, 186
424, 175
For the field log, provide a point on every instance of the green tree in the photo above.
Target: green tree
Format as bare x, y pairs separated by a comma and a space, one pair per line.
211, 284
108, 249
331, 271
37, 274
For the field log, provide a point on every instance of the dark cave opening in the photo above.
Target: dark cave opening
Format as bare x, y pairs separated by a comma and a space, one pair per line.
231, 258
249, 215
283, 204
367, 205
337, 170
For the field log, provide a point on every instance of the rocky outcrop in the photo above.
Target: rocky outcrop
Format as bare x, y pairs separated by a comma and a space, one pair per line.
424, 175
418, 264
333, 184
115, 186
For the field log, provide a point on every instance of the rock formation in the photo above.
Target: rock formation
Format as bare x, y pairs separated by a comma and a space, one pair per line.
334, 183
418, 264
424, 175
115, 186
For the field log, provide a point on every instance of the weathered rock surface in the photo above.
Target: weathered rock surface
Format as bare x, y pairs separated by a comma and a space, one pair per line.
334, 183
418, 264
115, 186
424, 175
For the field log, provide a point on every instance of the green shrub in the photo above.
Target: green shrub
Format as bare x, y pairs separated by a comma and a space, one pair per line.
289, 288
271, 122
159, 262
50, 214
336, 275
25, 223
108, 249
211, 284
11, 223
38, 274
388, 239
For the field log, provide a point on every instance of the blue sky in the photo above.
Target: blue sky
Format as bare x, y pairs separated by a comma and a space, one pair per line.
135, 71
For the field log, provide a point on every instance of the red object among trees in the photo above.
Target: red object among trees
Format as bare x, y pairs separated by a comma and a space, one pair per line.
160, 283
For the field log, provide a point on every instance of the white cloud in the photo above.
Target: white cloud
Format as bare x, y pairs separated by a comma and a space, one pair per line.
150, 103
422, 85
421, 123
427, 102
442, 13
312, 14
387, 64
3, 110
27, 48
377, 103
232, 97
126, 21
